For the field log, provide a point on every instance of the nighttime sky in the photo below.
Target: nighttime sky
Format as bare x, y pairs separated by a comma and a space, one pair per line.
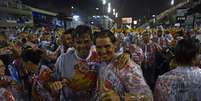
134, 8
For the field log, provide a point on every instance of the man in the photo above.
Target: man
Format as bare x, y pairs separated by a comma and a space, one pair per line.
120, 78
40, 91
31, 60
160, 39
136, 53
168, 37
5, 93
151, 50
6, 50
184, 82
67, 43
75, 71
44, 42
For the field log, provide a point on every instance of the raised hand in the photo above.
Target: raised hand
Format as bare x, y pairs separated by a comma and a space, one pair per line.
122, 60
56, 85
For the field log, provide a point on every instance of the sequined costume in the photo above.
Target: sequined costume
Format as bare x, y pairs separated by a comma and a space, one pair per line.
136, 53
127, 82
75, 69
149, 67
180, 84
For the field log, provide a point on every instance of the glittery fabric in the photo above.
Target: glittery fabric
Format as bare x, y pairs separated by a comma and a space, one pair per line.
180, 84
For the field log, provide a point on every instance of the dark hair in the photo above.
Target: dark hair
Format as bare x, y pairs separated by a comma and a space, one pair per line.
31, 55
103, 34
24, 40
46, 33
69, 31
82, 29
167, 32
180, 33
186, 50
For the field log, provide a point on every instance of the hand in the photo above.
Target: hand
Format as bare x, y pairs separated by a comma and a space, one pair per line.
56, 85
137, 97
122, 60
109, 96
79, 82
9, 96
66, 81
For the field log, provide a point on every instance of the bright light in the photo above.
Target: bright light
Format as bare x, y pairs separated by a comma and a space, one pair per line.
172, 2
76, 17
114, 12
97, 9
104, 2
135, 22
116, 15
96, 16
72, 7
109, 7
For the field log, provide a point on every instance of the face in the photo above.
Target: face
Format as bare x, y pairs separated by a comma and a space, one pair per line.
2, 68
105, 49
67, 40
159, 34
8, 96
137, 55
120, 39
83, 45
44, 38
47, 37
45, 75
146, 37
30, 67
34, 38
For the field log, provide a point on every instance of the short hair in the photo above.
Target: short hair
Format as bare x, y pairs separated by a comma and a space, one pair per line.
24, 40
31, 55
146, 33
69, 31
104, 34
82, 29
186, 50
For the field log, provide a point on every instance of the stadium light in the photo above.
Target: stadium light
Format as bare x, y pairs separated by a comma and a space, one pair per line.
104, 2
172, 2
109, 8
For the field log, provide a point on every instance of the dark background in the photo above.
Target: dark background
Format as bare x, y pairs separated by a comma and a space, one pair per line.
133, 8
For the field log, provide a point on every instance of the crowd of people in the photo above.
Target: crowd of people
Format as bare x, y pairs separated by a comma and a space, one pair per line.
106, 65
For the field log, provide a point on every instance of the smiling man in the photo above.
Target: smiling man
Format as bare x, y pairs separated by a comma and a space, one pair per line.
120, 78
75, 72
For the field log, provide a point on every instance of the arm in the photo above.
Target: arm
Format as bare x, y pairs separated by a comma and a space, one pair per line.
57, 74
136, 87
158, 91
53, 55
56, 52
56, 85
158, 48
